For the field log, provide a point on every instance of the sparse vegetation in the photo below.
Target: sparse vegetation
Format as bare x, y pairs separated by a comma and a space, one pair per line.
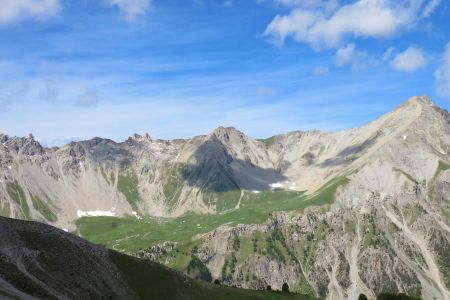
16, 193
128, 185
442, 166
269, 142
43, 208
5, 209
173, 185
407, 175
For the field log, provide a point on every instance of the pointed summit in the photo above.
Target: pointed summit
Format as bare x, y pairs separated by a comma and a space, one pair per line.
421, 100
228, 133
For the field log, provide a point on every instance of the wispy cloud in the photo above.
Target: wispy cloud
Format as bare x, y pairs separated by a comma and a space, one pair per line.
12, 11
430, 7
321, 71
131, 9
87, 99
349, 55
442, 74
265, 91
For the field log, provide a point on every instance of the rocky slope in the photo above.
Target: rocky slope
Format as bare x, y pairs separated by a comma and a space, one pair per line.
387, 229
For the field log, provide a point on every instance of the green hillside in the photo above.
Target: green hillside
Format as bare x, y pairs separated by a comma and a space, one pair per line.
153, 281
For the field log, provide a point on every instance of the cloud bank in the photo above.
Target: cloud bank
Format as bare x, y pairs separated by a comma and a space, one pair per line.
324, 28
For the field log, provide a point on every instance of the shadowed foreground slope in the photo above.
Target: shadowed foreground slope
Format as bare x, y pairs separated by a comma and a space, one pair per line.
38, 261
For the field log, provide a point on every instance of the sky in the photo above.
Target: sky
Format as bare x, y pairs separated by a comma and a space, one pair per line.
73, 70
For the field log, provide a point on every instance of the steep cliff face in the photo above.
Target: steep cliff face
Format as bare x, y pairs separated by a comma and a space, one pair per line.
377, 198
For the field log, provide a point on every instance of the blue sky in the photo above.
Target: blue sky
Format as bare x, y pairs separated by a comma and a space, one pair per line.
109, 68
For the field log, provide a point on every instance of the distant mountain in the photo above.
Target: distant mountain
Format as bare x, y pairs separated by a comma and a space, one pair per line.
360, 211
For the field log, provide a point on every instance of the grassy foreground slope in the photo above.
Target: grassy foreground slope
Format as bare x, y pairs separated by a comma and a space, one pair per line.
153, 281
38, 261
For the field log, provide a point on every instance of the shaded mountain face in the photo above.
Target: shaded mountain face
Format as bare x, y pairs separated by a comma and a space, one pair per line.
38, 261
374, 215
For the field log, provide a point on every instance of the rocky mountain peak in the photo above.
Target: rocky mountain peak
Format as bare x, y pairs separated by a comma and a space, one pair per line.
413, 103
24, 145
227, 133
422, 100
137, 138
418, 102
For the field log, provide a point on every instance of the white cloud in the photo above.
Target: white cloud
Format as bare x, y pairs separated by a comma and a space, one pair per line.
364, 18
349, 55
442, 74
131, 9
409, 60
12, 11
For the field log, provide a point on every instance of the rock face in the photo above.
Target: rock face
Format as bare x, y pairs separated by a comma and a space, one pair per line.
388, 228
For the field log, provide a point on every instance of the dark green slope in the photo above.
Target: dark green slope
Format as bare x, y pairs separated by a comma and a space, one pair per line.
38, 261
153, 281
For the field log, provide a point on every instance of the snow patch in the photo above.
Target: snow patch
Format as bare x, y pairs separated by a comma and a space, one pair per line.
9, 167
405, 137
95, 213
293, 186
65, 229
275, 185
136, 215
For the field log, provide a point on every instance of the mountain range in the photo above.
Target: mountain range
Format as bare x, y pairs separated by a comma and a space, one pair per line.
332, 214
